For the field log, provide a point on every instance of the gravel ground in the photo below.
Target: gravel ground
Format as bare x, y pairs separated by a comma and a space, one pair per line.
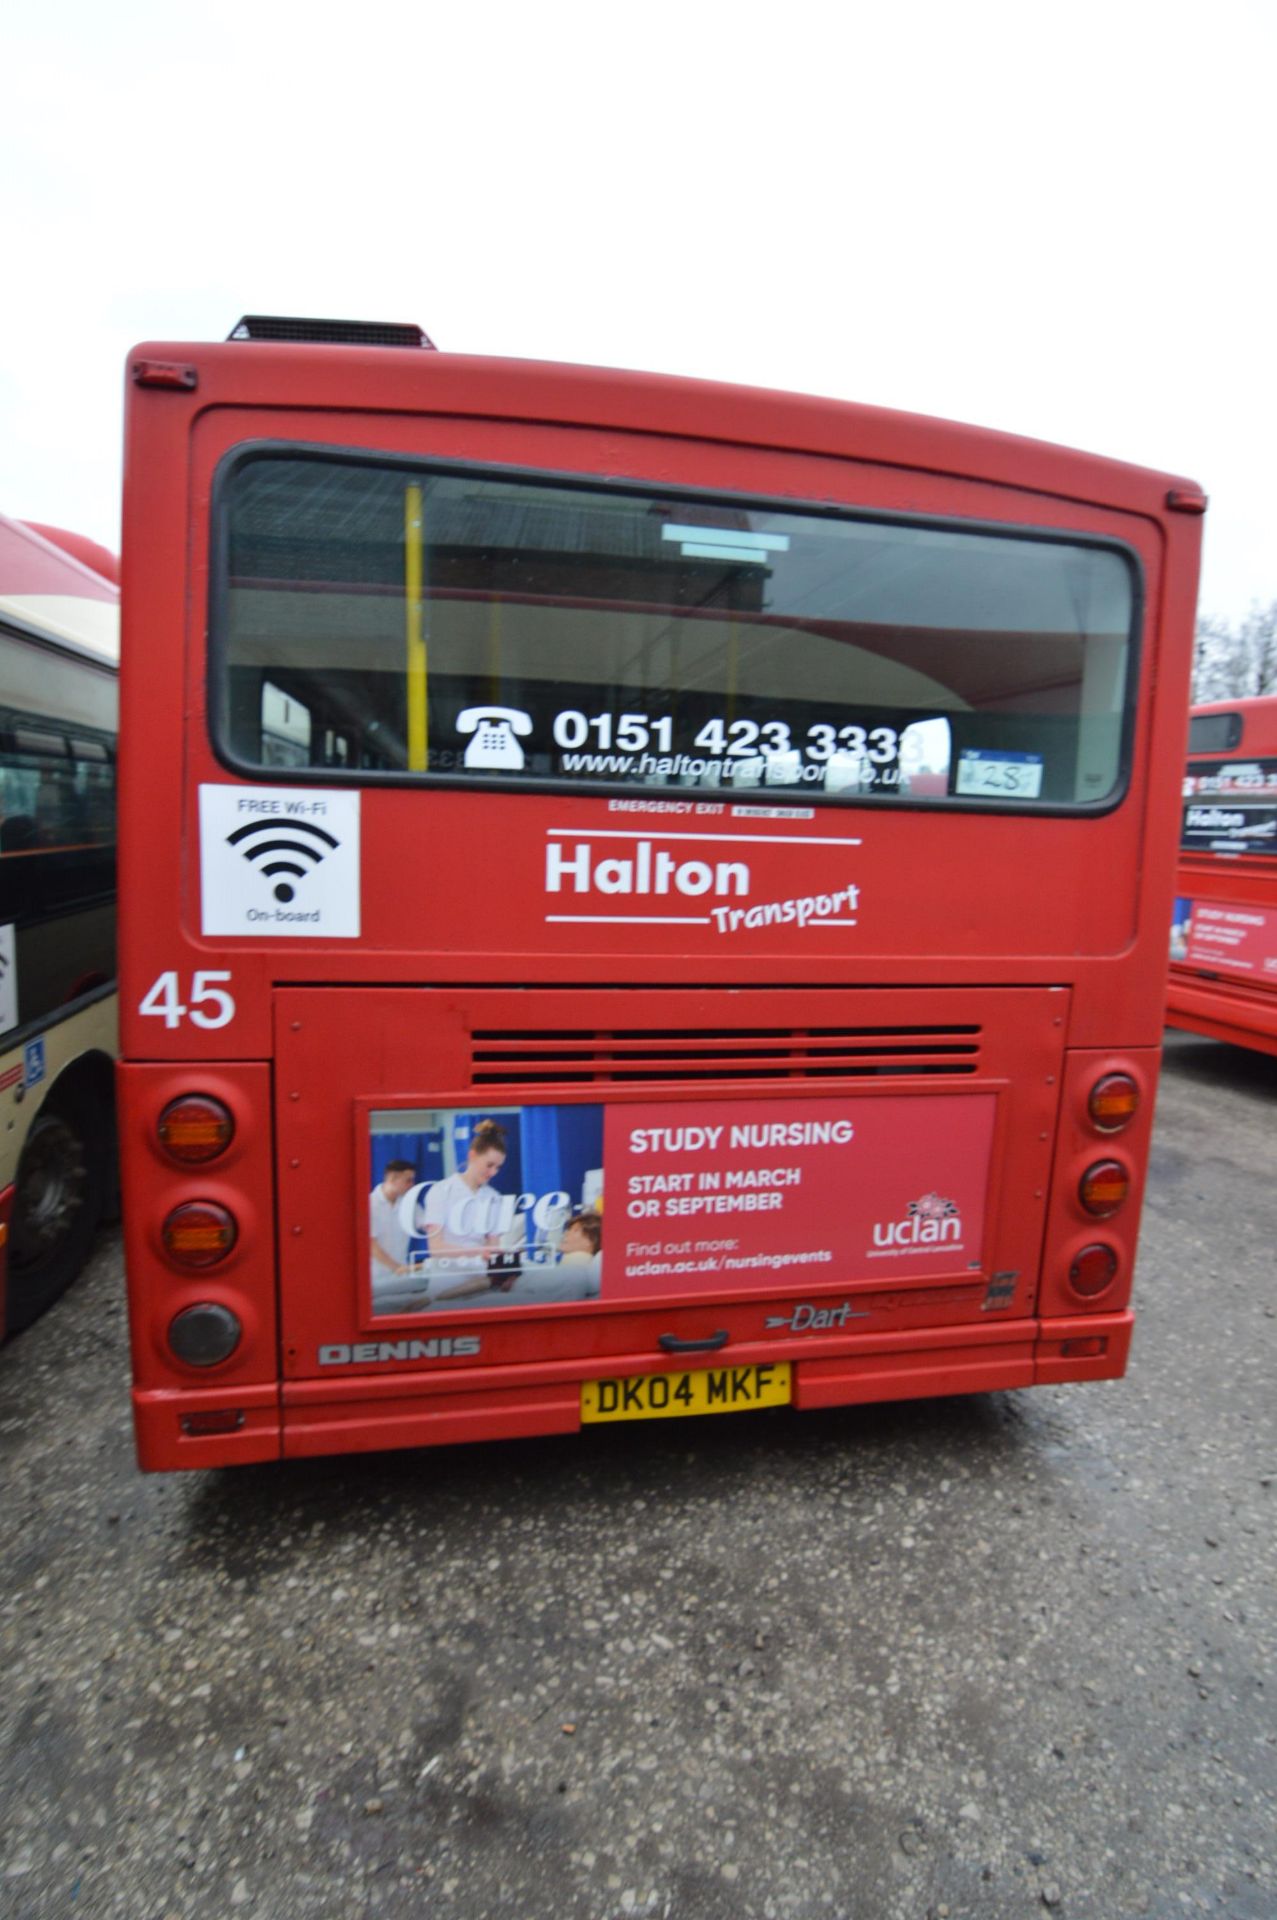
967, 1658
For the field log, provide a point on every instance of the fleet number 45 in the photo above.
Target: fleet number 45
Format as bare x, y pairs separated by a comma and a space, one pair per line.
210, 1005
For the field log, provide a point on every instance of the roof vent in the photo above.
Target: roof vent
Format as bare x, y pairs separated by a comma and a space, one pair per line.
330, 333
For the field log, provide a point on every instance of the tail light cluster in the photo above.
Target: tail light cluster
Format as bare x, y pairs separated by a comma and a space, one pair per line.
1113, 1102
195, 1129
1105, 1186
1092, 1271
206, 1334
198, 1234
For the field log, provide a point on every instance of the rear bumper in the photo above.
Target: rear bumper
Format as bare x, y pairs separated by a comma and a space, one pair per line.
1243, 1020
368, 1412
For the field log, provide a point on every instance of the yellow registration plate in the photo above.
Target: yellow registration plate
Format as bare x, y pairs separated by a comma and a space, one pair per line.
663, 1396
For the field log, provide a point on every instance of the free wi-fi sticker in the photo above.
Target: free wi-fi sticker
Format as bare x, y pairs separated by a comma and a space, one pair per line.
282, 862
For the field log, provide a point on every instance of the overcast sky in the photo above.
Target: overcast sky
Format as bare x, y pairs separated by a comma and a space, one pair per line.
1053, 220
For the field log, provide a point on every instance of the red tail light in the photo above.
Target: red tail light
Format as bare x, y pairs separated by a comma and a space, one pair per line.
1114, 1102
199, 1233
1104, 1188
1092, 1271
195, 1129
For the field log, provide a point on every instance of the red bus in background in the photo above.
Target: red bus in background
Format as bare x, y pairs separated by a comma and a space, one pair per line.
1223, 978
641, 897
59, 653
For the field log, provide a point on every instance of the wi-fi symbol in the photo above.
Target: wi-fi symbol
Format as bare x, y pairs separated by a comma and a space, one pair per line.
271, 843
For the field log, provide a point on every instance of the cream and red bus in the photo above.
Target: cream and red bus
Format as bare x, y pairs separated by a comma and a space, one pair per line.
640, 897
59, 651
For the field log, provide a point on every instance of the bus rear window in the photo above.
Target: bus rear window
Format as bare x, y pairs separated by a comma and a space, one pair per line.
379, 621
1214, 732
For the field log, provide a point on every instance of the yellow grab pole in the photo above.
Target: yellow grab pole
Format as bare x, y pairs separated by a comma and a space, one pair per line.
418, 683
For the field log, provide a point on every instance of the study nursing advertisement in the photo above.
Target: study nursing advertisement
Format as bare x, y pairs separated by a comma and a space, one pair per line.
545, 1205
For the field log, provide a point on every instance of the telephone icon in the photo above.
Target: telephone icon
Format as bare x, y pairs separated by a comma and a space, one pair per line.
494, 744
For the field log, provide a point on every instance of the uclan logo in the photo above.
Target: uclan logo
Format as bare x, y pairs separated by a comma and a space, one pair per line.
929, 1222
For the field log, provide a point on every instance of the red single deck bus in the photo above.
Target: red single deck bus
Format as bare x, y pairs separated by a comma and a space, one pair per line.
641, 897
1223, 979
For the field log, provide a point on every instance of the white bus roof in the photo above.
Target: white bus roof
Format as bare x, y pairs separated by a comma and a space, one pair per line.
46, 588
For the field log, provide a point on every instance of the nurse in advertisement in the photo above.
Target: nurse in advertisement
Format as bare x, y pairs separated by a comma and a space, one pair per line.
502, 1208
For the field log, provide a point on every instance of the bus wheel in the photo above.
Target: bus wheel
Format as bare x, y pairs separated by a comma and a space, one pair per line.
60, 1191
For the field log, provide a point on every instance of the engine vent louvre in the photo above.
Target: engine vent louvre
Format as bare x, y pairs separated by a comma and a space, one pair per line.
624, 1056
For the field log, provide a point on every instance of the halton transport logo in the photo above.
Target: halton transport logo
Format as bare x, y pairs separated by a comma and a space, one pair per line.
655, 877
929, 1221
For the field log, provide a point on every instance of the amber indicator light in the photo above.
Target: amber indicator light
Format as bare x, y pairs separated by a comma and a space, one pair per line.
1092, 1271
1104, 1187
195, 1129
1113, 1102
199, 1234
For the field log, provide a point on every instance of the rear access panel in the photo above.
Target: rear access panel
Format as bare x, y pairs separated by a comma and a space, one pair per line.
771, 1173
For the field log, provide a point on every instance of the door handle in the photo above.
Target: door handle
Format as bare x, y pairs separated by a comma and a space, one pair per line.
670, 1343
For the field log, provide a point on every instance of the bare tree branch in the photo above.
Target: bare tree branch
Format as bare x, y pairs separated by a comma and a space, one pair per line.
1234, 663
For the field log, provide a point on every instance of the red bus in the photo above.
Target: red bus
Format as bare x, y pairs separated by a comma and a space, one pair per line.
642, 897
1223, 978
59, 654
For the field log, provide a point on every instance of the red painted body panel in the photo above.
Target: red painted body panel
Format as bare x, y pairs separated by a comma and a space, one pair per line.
413, 1048
1046, 933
